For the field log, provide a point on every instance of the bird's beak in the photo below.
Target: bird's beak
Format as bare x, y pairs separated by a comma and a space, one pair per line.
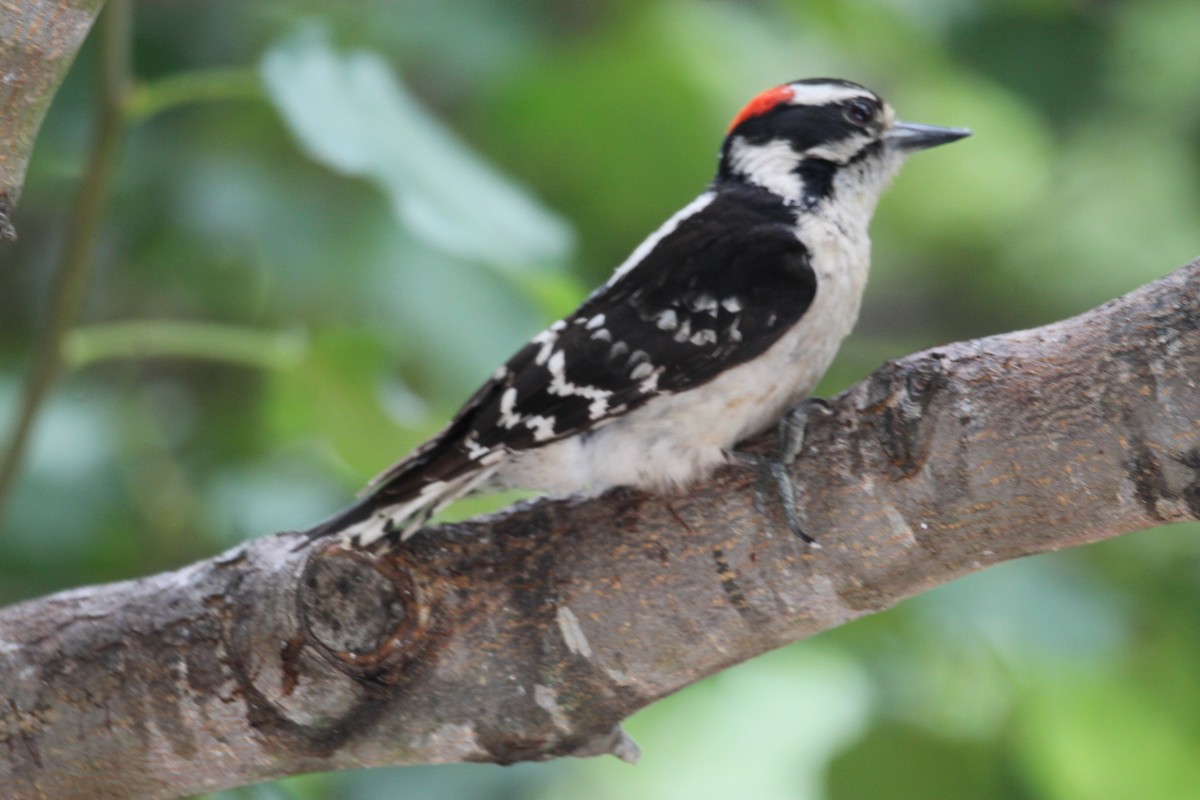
911, 136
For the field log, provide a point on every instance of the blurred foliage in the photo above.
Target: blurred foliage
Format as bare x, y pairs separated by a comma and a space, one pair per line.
330, 221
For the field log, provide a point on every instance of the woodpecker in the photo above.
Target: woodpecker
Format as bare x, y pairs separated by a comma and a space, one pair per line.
718, 323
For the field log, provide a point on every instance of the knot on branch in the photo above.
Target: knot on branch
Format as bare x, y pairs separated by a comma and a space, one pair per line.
361, 623
902, 395
361, 609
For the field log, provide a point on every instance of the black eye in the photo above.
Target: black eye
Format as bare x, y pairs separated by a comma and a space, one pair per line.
861, 111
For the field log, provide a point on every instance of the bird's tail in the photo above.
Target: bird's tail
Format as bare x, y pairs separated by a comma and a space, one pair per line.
380, 513
346, 518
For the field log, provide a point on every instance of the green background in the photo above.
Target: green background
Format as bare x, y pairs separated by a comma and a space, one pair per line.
330, 221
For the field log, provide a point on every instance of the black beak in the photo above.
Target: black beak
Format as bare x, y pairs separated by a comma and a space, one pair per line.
911, 136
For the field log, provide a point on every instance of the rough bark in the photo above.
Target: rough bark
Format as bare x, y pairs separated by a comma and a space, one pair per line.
532, 633
38, 41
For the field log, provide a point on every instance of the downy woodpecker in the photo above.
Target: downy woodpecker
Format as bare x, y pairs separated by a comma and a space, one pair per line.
718, 323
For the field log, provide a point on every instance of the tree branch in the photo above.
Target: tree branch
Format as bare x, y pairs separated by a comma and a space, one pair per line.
38, 41
532, 633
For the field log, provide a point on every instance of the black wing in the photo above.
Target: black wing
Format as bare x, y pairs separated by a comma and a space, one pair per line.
715, 292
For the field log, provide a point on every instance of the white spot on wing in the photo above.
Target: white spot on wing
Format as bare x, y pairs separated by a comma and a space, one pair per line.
557, 366
595, 322
706, 336
705, 303
650, 385
475, 450
734, 334
684, 331
546, 339
559, 385
667, 320
542, 427
508, 401
732, 304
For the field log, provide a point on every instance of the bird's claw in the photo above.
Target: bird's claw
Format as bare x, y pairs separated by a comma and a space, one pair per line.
774, 468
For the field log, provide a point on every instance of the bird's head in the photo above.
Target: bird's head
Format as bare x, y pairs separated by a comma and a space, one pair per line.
822, 139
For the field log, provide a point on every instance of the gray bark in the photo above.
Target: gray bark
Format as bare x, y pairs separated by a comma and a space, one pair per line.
531, 634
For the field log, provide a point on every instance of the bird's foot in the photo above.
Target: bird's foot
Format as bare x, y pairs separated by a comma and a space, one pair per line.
774, 467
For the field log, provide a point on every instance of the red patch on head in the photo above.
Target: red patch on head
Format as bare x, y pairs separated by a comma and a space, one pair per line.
762, 104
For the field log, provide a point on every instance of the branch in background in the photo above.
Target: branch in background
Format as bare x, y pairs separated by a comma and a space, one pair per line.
71, 282
38, 41
531, 634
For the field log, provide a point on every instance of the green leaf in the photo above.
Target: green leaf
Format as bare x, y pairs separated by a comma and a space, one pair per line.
351, 114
